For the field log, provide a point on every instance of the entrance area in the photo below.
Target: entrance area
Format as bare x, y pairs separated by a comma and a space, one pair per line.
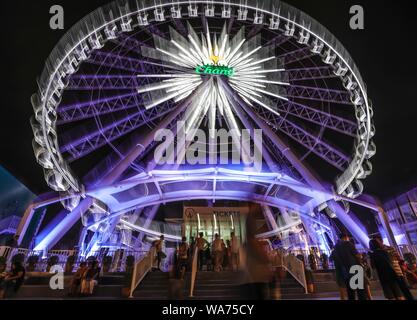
214, 220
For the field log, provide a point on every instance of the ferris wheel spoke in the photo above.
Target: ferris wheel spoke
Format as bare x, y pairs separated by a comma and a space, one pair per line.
255, 30
278, 40
179, 25
308, 140
110, 60
321, 148
310, 73
104, 82
85, 110
319, 94
285, 166
297, 55
133, 65
152, 30
91, 141
321, 118
129, 43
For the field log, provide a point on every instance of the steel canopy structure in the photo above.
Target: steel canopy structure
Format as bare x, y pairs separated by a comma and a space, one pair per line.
130, 69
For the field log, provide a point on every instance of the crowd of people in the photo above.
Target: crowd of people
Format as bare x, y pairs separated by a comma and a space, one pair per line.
216, 256
82, 284
396, 277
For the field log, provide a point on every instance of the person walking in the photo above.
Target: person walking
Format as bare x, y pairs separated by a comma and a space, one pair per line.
345, 257
202, 245
235, 247
183, 257
160, 254
227, 256
395, 262
381, 261
259, 274
217, 253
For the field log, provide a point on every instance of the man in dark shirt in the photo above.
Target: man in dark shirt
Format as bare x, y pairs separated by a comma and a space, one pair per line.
13, 280
345, 257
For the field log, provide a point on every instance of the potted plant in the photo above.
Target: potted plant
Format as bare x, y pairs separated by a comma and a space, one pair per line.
52, 261
32, 263
107, 261
69, 265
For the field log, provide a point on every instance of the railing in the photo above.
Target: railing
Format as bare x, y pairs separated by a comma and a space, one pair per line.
9, 224
194, 266
142, 267
292, 265
63, 255
319, 262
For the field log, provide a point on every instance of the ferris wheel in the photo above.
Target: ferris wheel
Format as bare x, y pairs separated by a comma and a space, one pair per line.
132, 67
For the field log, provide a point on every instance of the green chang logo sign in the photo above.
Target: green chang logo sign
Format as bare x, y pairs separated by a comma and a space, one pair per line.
215, 70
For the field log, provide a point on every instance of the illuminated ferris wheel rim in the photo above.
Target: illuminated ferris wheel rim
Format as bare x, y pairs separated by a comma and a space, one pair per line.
50, 78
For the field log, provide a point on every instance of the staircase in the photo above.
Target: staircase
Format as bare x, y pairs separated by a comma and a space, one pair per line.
290, 289
37, 287
208, 285
158, 286
218, 285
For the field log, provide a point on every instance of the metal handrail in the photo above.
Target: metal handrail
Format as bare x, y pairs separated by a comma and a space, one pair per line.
141, 269
194, 267
293, 266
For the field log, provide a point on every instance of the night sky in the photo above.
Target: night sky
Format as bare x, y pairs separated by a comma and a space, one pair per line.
384, 52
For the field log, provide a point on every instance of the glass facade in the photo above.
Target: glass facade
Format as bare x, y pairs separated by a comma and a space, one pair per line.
402, 215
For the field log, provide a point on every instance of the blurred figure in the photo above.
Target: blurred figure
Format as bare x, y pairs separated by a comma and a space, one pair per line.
90, 279
176, 284
257, 262
381, 261
395, 262
345, 257
160, 254
411, 277
202, 245
412, 274
183, 257
235, 247
12, 280
217, 253
367, 276
77, 279
227, 256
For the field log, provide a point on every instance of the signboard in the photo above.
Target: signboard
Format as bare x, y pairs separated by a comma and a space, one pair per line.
215, 70
191, 212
